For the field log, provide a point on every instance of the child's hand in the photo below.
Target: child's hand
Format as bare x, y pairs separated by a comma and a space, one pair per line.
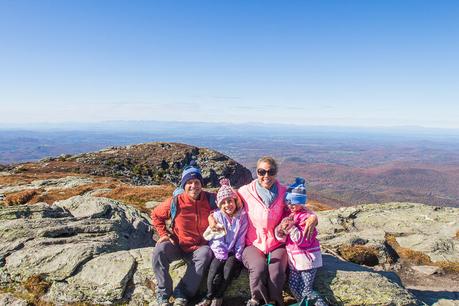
213, 224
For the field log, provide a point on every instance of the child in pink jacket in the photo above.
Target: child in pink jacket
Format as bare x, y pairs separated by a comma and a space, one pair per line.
304, 256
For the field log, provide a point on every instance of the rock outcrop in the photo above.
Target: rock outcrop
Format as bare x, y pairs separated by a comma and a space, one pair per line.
86, 242
385, 232
97, 250
150, 163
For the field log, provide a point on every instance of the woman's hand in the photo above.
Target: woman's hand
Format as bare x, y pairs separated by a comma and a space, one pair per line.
286, 224
309, 226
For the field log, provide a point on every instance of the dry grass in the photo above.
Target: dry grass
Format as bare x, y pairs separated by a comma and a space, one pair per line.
359, 254
54, 195
20, 197
318, 206
33, 299
414, 257
132, 195
138, 195
448, 266
36, 285
457, 235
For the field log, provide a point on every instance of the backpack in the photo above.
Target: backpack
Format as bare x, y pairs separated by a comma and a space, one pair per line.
211, 198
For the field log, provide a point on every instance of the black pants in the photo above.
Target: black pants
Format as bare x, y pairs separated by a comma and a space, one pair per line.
221, 273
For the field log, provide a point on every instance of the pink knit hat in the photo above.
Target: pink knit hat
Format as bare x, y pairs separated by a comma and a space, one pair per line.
225, 191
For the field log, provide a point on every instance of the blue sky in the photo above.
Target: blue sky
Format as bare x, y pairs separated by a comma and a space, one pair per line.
350, 63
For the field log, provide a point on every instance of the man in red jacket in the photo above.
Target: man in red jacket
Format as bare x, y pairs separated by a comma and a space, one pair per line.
184, 240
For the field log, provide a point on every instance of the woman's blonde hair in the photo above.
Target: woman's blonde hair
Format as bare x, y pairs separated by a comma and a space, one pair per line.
269, 160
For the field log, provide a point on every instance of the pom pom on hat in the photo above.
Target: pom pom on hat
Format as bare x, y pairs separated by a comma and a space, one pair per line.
225, 191
296, 193
190, 172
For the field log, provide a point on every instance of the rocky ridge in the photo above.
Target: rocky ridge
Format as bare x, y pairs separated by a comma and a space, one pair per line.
151, 163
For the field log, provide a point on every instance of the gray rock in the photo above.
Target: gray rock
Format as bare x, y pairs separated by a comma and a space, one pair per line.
50, 184
98, 251
10, 300
427, 270
427, 229
152, 204
101, 280
346, 283
338, 281
86, 207
57, 261
56, 241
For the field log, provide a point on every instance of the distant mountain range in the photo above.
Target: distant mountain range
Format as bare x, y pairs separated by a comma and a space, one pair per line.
343, 166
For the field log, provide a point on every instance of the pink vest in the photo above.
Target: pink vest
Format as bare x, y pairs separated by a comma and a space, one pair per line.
262, 220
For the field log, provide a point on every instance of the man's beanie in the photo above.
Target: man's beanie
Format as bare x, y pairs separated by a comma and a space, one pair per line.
296, 193
190, 172
225, 191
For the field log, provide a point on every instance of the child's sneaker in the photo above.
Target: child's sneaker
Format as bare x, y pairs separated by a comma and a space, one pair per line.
217, 302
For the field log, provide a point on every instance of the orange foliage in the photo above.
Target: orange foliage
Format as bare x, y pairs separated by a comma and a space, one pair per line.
36, 285
448, 266
20, 197
54, 195
414, 257
138, 195
360, 254
318, 206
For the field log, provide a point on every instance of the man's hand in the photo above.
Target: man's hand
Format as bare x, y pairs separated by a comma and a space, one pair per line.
309, 226
165, 238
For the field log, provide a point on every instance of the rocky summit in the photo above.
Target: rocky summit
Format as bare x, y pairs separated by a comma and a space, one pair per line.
98, 251
72, 236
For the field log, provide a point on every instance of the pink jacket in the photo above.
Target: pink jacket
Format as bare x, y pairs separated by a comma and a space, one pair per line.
262, 220
302, 254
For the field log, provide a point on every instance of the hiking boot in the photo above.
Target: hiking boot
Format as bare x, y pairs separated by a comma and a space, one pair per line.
252, 302
217, 302
180, 301
162, 301
205, 302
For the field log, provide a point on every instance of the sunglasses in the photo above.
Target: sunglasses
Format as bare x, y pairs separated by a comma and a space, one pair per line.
262, 172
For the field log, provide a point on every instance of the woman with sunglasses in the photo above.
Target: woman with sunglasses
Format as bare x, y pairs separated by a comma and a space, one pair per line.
264, 256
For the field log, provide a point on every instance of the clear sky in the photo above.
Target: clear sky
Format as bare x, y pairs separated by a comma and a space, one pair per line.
352, 63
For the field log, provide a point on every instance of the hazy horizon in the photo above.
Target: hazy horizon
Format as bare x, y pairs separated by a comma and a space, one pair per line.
111, 123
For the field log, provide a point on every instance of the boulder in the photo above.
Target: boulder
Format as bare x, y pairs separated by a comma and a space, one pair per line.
82, 240
101, 280
429, 230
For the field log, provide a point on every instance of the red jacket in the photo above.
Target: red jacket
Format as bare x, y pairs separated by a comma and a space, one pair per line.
190, 221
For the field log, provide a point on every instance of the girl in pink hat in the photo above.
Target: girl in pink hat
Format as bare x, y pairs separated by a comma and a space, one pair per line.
227, 243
